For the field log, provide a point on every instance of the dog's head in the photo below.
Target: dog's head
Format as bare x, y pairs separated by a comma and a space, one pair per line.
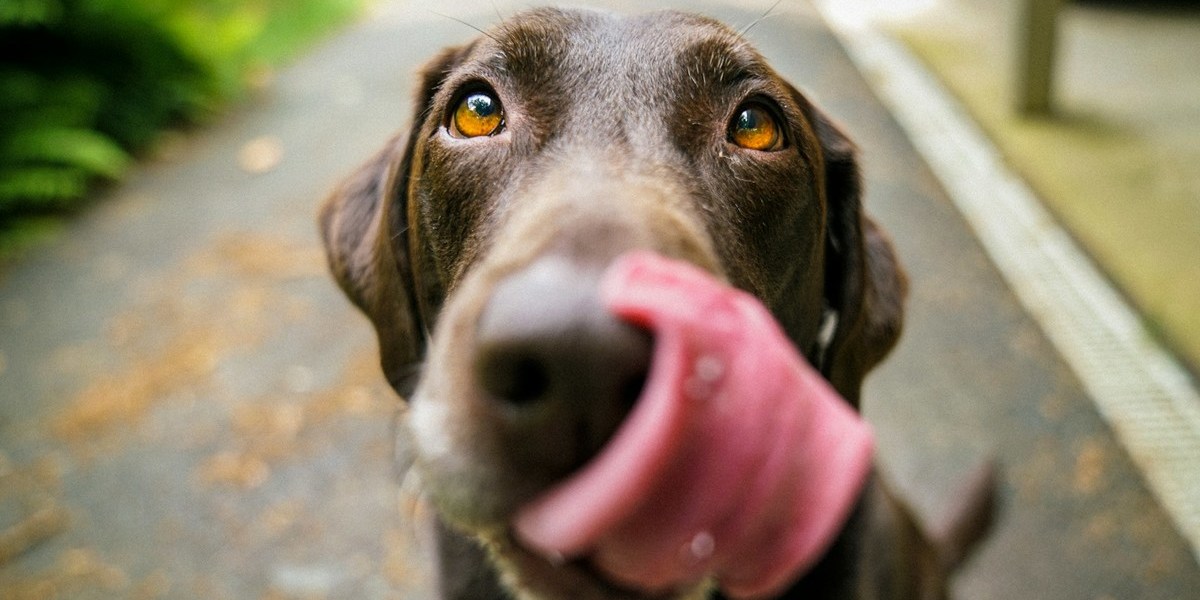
538, 154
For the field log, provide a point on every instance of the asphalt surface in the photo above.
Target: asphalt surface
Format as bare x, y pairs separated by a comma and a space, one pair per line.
190, 409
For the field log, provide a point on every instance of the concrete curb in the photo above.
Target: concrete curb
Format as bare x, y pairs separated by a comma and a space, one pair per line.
1143, 393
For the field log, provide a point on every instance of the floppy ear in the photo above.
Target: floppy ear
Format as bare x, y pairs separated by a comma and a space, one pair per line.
865, 286
956, 533
364, 224
921, 555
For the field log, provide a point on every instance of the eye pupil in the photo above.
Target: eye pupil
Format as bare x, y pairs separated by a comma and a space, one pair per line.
481, 104
750, 120
478, 114
754, 128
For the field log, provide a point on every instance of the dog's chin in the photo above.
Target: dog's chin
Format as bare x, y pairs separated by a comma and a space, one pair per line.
528, 575
532, 577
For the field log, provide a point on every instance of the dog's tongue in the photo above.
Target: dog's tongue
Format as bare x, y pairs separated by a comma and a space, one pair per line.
738, 461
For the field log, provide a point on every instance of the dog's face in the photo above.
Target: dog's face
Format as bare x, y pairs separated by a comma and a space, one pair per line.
538, 154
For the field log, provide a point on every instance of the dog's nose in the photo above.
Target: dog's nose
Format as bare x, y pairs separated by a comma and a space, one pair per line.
561, 370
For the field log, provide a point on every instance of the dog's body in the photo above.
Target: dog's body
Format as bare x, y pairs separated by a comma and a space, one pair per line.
538, 154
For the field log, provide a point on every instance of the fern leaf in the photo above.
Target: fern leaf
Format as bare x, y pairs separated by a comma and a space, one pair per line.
83, 149
40, 187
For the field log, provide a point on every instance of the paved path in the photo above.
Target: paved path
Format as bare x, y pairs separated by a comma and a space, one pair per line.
189, 409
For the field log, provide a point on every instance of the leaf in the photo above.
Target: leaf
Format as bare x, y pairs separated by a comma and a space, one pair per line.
260, 155
28, 13
87, 150
40, 187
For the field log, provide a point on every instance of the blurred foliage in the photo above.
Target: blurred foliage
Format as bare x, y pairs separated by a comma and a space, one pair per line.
86, 84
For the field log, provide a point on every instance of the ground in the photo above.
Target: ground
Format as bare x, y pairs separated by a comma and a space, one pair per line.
1115, 159
190, 408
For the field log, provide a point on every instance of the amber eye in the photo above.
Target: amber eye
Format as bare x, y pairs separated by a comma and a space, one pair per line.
754, 127
477, 114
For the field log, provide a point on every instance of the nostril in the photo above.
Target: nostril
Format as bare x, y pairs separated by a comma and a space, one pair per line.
631, 389
514, 376
561, 372
529, 382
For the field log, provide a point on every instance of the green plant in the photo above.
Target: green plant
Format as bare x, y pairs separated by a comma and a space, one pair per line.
82, 85
86, 84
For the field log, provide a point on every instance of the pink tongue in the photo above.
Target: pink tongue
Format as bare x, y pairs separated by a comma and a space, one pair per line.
738, 460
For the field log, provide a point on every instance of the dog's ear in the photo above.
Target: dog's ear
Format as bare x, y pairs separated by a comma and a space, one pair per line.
931, 550
951, 538
865, 286
364, 224
959, 531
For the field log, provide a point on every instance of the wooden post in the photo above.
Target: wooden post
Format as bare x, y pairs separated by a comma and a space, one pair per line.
1036, 53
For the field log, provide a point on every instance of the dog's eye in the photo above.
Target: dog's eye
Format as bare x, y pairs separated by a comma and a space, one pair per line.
754, 127
478, 114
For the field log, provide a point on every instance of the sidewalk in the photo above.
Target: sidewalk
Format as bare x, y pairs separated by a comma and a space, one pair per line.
1117, 161
196, 410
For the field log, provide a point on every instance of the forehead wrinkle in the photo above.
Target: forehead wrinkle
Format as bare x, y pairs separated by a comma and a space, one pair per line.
538, 39
579, 47
721, 61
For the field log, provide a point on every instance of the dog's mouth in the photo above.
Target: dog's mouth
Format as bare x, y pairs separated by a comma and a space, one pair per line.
738, 461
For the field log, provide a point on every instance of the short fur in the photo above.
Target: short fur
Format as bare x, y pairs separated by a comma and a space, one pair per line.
615, 138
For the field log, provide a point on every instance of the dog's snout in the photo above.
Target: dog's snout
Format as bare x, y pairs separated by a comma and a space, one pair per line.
563, 371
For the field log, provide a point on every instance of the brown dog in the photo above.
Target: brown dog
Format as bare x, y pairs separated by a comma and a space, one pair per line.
539, 153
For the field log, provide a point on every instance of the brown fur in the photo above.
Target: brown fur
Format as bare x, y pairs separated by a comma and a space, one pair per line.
614, 140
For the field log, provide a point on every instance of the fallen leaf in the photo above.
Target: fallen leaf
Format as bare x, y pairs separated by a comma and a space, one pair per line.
261, 155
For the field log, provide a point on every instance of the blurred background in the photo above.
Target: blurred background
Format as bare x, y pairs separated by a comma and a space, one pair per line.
190, 409
1107, 138
87, 85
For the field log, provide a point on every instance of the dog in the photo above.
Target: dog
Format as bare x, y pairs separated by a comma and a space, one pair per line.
539, 153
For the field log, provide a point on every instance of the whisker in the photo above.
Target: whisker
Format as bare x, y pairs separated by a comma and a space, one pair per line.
458, 20
747, 28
